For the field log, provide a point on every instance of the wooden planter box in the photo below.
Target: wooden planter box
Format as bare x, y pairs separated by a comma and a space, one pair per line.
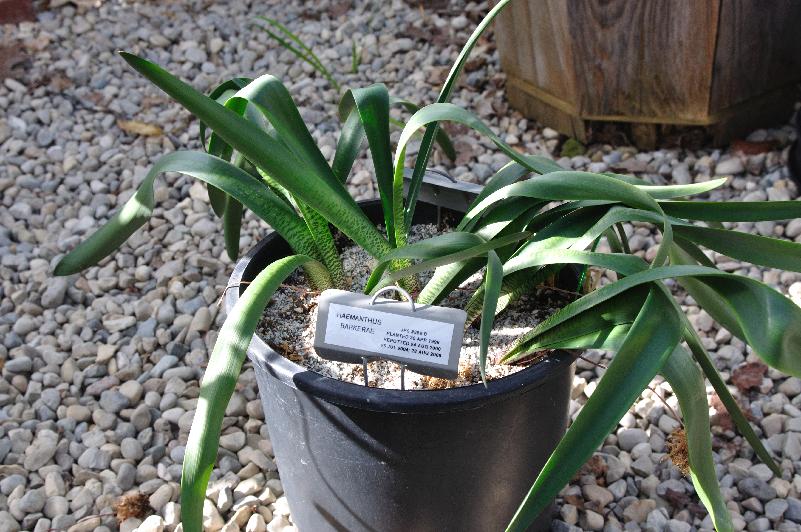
13, 11
727, 65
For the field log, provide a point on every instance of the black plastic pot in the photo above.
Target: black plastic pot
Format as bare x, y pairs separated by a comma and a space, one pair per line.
353, 458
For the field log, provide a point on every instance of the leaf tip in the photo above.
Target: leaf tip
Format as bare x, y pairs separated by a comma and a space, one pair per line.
64, 268
233, 253
132, 59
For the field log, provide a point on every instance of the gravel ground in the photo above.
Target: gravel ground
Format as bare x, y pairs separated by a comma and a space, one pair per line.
100, 372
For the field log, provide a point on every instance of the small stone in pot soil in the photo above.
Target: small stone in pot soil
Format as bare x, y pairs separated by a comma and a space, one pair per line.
288, 326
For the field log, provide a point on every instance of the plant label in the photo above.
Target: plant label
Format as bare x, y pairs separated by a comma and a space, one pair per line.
426, 338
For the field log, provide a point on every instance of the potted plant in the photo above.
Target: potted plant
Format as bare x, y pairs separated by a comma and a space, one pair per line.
345, 449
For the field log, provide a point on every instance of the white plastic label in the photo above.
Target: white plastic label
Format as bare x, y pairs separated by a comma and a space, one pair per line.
392, 335
353, 327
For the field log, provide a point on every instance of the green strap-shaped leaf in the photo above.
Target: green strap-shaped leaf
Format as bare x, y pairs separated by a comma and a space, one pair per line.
670, 191
586, 269
267, 94
348, 146
510, 173
769, 322
133, 215
513, 287
223, 175
442, 138
545, 334
221, 94
652, 338
618, 262
435, 246
687, 383
232, 209
554, 185
324, 240
270, 96
372, 105
771, 252
570, 185
426, 249
508, 218
685, 255
556, 228
492, 290
630, 179
562, 226
219, 381
500, 222
734, 211
352, 136
447, 278
291, 42
263, 101
762, 317
278, 189
325, 192
217, 200
693, 252
580, 229
449, 258
447, 112
732, 407
603, 328
232, 224
624, 240
226, 207
664, 192
424, 152
535, 223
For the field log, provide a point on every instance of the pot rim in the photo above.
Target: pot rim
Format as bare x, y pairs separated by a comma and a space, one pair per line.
358, 396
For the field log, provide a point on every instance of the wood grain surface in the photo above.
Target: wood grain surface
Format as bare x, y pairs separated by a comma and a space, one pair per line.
726, 64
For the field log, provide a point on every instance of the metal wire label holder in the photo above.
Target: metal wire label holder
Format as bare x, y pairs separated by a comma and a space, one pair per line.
357, 328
